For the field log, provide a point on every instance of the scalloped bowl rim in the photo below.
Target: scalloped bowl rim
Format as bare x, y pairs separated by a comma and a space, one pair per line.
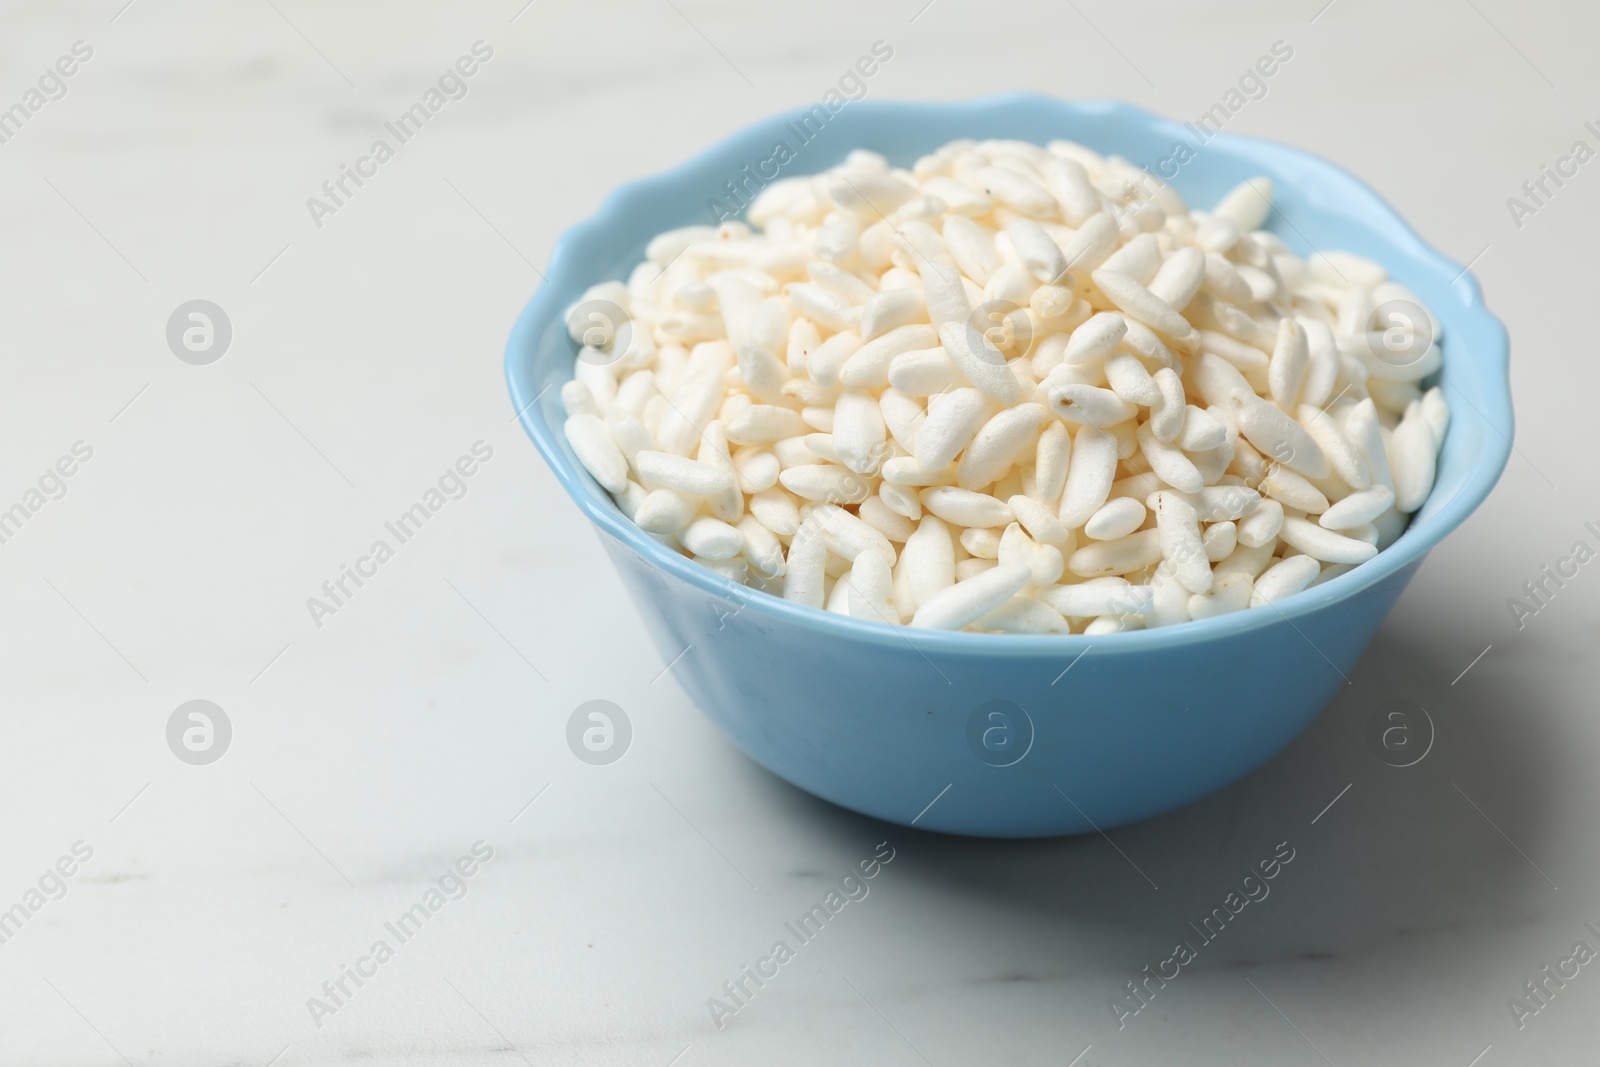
1424, 532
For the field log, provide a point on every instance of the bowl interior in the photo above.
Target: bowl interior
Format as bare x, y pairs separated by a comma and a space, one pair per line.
1317, 207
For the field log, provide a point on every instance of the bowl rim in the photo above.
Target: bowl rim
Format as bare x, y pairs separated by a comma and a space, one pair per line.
1491, 351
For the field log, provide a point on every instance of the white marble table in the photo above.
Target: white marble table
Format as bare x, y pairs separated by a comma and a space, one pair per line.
422, 716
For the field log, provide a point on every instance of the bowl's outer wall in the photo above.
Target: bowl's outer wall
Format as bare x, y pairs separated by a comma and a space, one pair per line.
1116, 738
1147, 721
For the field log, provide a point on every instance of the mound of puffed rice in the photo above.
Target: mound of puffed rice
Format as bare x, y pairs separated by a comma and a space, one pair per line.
1013, 389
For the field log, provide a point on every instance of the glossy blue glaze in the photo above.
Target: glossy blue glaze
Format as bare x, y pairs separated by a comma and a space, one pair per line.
878, 718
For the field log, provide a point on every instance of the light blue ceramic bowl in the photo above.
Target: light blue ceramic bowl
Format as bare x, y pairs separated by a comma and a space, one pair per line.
891, 722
